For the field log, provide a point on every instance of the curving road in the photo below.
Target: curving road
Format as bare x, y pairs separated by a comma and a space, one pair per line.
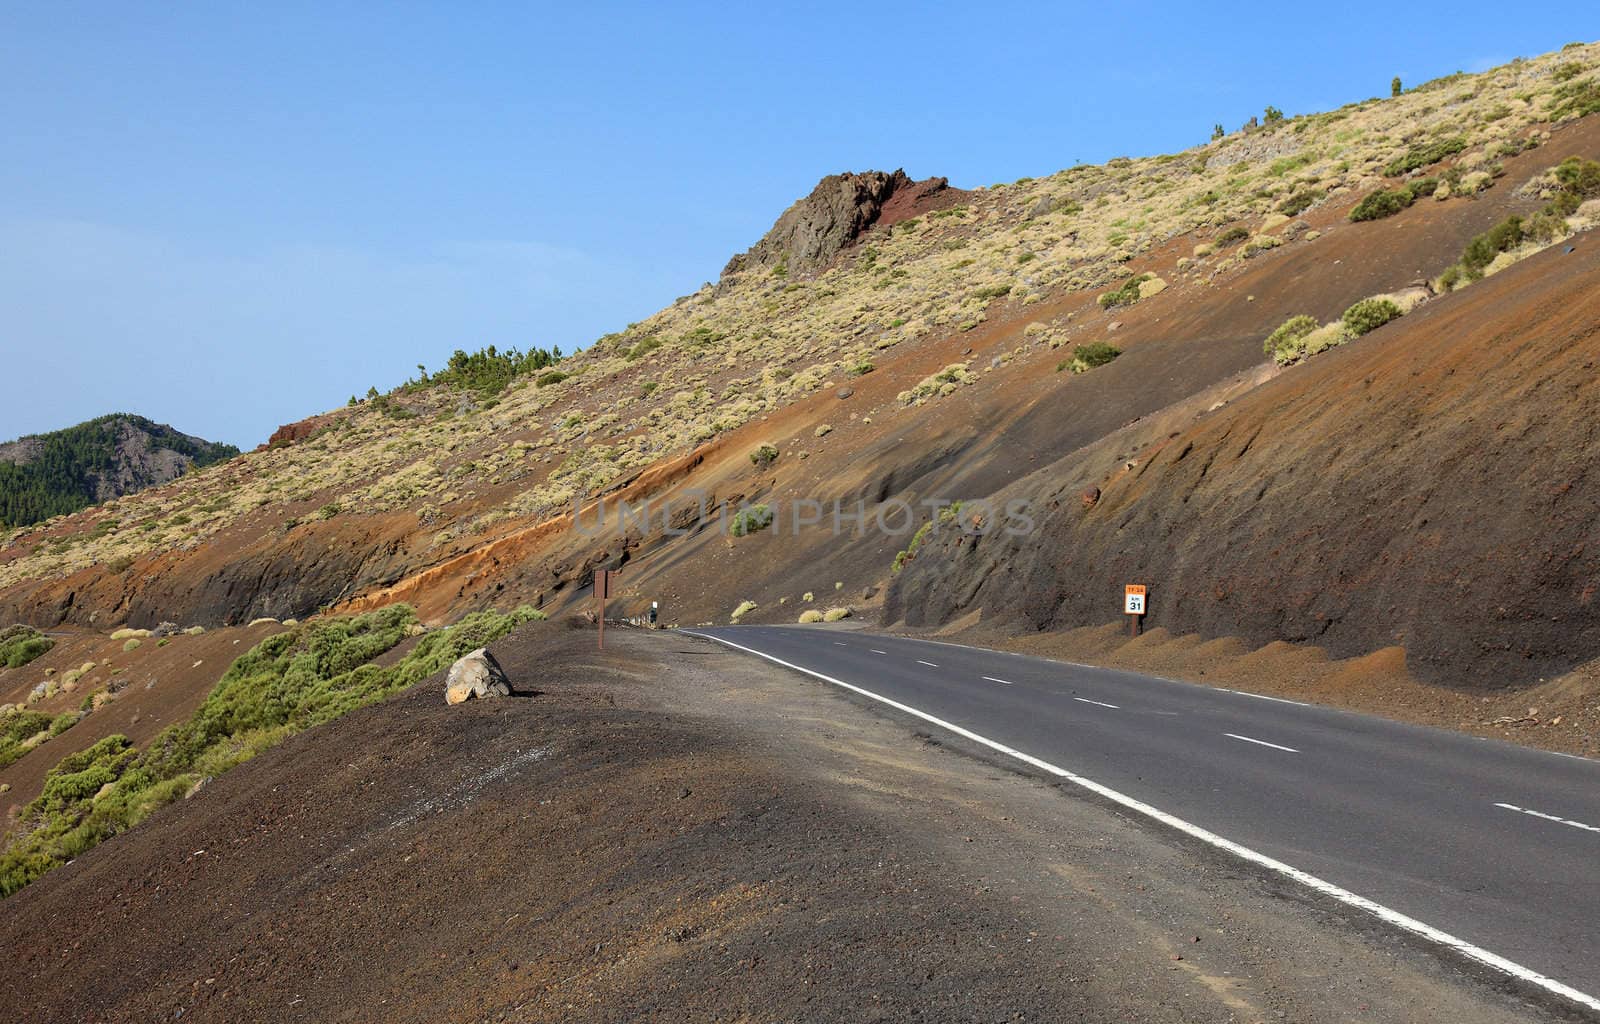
1486, 847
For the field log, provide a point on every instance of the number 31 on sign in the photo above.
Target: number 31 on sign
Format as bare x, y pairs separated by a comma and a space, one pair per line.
1134, 599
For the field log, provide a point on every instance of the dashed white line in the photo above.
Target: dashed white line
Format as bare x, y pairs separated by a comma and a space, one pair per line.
927, 663
874, 650
1086, 700
1264, 743
840, 643
1550, 817
1005, 682
1305, 878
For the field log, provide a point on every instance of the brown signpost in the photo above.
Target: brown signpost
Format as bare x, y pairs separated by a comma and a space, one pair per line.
1134, 600
604, 582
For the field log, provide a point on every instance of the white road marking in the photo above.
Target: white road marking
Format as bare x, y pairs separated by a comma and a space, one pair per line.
927, 663
1550, 817
1264, 743
1006, 682
1086, 700
1305, 878
1262, 696
876, 651
839, 643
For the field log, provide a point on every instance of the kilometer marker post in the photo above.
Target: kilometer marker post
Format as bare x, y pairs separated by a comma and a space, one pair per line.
1134, 600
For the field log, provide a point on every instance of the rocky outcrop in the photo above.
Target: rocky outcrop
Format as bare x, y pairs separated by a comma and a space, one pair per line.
842, 206
291, 433
476, 675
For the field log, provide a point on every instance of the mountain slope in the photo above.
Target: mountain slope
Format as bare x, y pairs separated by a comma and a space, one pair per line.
889, 340
44, 475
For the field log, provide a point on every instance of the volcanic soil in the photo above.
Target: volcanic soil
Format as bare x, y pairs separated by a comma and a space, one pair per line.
668, 831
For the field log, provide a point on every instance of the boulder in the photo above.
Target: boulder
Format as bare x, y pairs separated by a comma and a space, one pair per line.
476, 674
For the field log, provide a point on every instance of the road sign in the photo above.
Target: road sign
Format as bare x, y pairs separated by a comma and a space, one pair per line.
1134, 598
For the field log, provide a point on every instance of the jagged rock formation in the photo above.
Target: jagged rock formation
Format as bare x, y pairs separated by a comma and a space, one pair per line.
810, 233
43, 475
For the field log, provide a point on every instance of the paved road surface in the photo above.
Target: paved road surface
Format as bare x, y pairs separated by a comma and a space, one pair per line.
1494, 844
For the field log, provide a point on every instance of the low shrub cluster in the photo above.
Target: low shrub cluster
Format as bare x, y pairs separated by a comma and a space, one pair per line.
1126, 295
1424, 156
1576, 180
1087, 357
1230, 236
1299, 202
21, 644
764, 456
1369, 315
1576, 98
1388, 202
752, 519
289, 682
1287, 343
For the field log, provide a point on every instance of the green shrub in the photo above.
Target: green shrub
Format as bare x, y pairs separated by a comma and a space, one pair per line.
131, 645
644, 348
1096, 353
752, 519
835, 614
16, 729
1369, 314
289, 682
1286, 344
1565, 72
1481, 251
764, 456
21, 644
1578, 98
811, 615
550, 377
1424, 156
993, 291
1230, 236
1126, 295
1299, 202
861, 369
1382, 203
744, 608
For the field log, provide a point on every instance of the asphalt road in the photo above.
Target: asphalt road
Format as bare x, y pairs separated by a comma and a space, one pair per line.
1494, 844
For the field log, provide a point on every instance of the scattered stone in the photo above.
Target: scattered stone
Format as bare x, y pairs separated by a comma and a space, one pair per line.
1090, 497
476, 675
844, 393
164, 629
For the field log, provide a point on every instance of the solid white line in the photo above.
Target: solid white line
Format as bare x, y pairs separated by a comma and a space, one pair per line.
1264, 743
1102, 703
1310, 881
992, 679
1262, 696
1550, 817
927, 663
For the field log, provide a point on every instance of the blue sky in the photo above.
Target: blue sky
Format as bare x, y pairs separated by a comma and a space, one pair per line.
231, 216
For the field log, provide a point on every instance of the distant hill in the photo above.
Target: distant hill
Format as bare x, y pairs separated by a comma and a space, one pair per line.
45, 475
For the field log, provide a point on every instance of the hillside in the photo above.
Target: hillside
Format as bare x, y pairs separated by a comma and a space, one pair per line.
897, 339
45, 475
